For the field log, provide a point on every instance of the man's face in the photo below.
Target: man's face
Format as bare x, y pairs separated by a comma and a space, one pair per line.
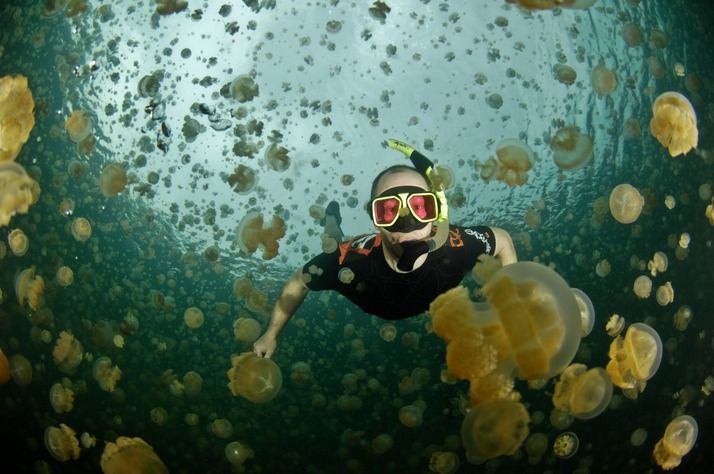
402, 178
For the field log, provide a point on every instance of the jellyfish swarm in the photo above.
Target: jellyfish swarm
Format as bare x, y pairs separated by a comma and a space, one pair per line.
674, 123
252, 234
635, 358
679, 438
254, 378
571, 149
581, 392
17, 191
16, 118
131, 455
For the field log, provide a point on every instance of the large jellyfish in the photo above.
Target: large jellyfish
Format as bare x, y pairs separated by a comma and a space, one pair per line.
679, 438
581, 392
674, 123
635, 358
494, 428
131, 455
16, 118
254, 378
61, 442
515, 158
17, 191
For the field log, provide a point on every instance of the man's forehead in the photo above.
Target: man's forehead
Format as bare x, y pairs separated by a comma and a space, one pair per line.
401, 178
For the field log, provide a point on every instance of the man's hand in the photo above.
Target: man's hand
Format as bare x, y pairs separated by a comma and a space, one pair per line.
265, 345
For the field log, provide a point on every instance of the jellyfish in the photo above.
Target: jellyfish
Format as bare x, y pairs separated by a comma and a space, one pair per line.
635, 358
105, 374
254, 378
222, 428
638, 437
587, 311
18, 242
387, 332
665, 294
536, 446
626, 203
682, 318
300, 373
410, 416
515, 158
571, 149
444, 462
113, 180
603, 80
642, 286
243, 179
243, 88
78, 126
581, 392
167, 7
61, 398
237, 453
131, 455
64, 276
494, 428
382, 443
674, 123
277, 157
67, 353
632, 35
18, 191
29, 288
566, 445
16, 117
485, 267
87, 440
679, 438
565, 74
560, 419
252, 235
658, 264
61, 442
615, 324
81, 229
4, 368
246, 329
159, 416
192, 384
193, 317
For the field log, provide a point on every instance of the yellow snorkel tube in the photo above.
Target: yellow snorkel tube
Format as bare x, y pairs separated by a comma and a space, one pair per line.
426, 167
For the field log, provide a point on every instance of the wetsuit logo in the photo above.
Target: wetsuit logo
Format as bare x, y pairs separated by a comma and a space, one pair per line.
455, 239
480, 237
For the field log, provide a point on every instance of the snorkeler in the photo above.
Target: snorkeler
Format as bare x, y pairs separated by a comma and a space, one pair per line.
397, 272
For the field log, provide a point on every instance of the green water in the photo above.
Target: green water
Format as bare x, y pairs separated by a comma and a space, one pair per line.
331, 94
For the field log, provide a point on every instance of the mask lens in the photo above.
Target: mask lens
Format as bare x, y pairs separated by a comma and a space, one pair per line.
423, 207
385, 211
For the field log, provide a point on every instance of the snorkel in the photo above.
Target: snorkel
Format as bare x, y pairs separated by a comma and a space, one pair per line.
415, 249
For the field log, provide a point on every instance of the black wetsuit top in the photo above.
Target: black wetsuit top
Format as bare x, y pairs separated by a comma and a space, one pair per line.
379, 290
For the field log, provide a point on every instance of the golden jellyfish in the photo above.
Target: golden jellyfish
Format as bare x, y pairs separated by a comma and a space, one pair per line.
565, 74
193, 317
632, 35
254, 378
635, 358
626, 203
444, 462
67, 353
20, 370
642, 287
159, 416
656, 68
571, 149
192, 384
388, 332
61, 398
300, 373
4, 368
604, 81
515, 159
277, 157
410, 416
105, 374
560, 419
602, 269
113, 180
587, 311
29, 288
87, 440
674, 123
127, 455
682, 318
382, 443
81, 229
246, 329
243, 179
16, 116
61, 442
444, 177
18, 242
679, 438
658, 264
632, 128
566, 445
243, 88
18, 191
638, 437
238, 453
665, 294
536, 446
494, 428
64, 276
581, 392
78, 126
615, 324
222, 428
485, 267
252, 235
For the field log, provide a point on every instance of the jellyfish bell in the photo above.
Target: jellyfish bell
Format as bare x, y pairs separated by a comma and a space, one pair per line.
246, 329
29, 288
679, 438
67, 353
625, 203
61, 442
571, 149
64, 276
243, 88
515, 159
78, 126
382, 443
410, 416
566, 445
81, 229
113, 180
642, 287
238, 453
222, 428
131, 455
61, 398
674, 123
494, 428
18, 191
18, 242
193, 317
604, 81
444, 462
587, 311
581, 392
635, 358
254, 378
16, 116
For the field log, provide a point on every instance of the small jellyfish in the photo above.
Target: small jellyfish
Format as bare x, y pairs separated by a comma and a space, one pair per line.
388, 332
222, 428
638, 437
682, 318
632, 35
81, 229
665, 294
62, 443
113, 180
61, 398
238, 453
243, 88
536, 446
29, 288
4, 368
382, 443
444, 462
130, 455
642, 286
602, 269
193, 317
20, 370
410, 416
246, 329
243, 179
67, 353
78, 126
604, 81
346, 275
674, 123
18, 242
277, 157
105, 374
565, 74
679, 438
64, 276
581, 392
626, 203
515, 159
615, 325
18, 191
494, 428
658, 264
566, 445
571, 149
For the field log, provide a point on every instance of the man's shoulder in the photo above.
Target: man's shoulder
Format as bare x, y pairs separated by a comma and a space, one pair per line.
460, 236
360, 246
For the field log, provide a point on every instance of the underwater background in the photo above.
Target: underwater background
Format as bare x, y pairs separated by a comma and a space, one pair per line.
303, 96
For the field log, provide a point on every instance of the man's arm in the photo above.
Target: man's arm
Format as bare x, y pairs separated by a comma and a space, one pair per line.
288, 303
505, 251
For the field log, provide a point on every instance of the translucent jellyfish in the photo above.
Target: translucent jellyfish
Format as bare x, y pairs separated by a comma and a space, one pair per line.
638, 437
658, 264
485, 267
571, 149
113, 180
382, 443
632, 35
565, 74
159, 416
410, 416
29, 288
192, 383
78, 126
642, 286
67, 353
18, 242
674, 123
682, 318
581, 392
560, 419
87, 440
626, 203
536, 446
603, 80
193, 317
16, 117
237, 453
566, 445
4, 368
587, 311
61, 398
300, 373
635, 358
222, 428
665, 294
131, 455
444, 462
277, 157
61, 442
615, 324
494, 428
243, 88
388, 332
252, 235
105, 374
602, 269
81, 229
243, 179
17, 190
20, 370
515, 159
679, 438
64, 276
246, 329
530, 326
254, 378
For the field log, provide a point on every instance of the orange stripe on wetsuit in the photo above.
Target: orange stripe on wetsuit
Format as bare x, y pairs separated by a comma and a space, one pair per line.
347, 247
